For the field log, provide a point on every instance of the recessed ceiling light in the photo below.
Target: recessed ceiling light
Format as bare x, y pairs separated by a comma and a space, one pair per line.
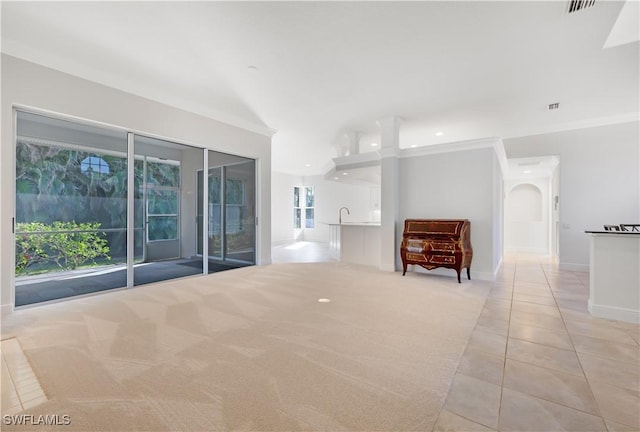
324, 300
336, 178
374, 144
307, 165
414, 145
527, 171
439, 133
345, 173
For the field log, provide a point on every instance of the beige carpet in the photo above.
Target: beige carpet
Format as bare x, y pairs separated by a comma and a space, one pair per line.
253, 349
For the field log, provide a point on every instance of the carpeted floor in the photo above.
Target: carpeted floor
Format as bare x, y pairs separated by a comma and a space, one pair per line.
253, 349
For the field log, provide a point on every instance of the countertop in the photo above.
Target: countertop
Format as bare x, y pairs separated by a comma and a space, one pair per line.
614, 232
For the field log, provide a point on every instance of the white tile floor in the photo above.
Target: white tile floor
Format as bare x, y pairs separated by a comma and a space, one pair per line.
303, 251
537, 360
20, 387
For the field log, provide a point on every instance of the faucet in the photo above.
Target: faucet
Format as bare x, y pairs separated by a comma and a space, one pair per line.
340, 214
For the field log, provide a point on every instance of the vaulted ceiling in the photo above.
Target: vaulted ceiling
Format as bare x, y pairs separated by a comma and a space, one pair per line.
314, 71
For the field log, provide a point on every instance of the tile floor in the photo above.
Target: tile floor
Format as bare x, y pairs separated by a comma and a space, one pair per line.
20, 387
538, 361
303, 251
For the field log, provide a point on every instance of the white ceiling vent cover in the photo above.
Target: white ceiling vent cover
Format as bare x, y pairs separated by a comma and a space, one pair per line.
577, 5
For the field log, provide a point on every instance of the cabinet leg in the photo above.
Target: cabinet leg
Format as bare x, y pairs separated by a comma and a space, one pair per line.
404, 268
469, 273
459, 276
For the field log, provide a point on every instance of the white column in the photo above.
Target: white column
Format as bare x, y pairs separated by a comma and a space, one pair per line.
389, 190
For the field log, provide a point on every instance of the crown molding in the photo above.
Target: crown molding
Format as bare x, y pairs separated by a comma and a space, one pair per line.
475, 144
578, 124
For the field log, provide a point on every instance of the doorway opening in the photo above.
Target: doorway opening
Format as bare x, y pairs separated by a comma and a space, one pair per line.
531, 208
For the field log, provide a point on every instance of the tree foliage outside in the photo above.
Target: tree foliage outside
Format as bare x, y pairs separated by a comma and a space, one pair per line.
57, 186
43, 244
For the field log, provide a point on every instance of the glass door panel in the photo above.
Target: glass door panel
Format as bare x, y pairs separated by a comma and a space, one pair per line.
231, 211
214, 208
240, 215
71, 209
165, 214
215, 213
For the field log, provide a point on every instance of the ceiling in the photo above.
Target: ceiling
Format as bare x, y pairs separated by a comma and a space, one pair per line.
314, 71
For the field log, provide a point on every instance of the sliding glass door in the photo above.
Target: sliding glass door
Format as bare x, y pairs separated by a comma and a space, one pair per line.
99, 209
71, 201
230, 212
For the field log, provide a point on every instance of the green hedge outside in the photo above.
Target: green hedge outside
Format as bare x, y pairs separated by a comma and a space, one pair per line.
40, 243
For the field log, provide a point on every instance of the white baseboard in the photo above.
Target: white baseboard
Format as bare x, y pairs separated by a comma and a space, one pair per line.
574, 267
614, 313
497, 269
6, 309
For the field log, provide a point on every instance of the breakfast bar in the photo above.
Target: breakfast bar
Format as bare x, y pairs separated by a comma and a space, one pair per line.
614, 278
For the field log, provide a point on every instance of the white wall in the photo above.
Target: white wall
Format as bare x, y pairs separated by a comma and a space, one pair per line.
526, 223
457, 185
599, 181
27, 84
282, 207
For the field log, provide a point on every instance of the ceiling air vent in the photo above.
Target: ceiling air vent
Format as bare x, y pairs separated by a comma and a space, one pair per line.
577, 5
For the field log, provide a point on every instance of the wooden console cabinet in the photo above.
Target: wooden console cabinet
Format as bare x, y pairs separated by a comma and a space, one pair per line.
432, 243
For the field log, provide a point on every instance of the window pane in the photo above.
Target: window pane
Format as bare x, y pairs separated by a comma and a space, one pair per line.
163, 227
296, 197
235, 192
309, 196
296, 218
309, 218
163, 201
163, 174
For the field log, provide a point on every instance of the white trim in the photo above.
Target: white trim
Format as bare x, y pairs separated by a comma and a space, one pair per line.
501, 154
574, 267
205, 209
580, 124
130, 210
357, 160
497, 269
6, 309
614, 313
490, 142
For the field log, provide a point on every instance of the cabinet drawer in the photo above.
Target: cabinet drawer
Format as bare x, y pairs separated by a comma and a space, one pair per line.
416, 257
443, 246
442, 259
